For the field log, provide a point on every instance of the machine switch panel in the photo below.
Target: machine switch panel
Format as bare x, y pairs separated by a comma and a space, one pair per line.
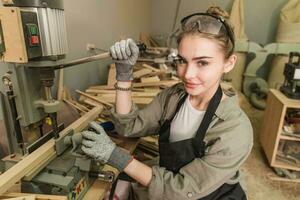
31, 34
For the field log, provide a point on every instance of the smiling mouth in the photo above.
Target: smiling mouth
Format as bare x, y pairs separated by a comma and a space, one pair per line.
191, 85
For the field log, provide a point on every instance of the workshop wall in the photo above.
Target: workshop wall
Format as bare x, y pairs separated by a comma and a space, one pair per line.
101, 23
261, 17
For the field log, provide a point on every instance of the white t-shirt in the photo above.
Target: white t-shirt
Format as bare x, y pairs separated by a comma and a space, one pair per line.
186, 122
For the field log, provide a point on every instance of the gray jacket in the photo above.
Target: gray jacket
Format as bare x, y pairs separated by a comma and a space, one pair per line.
229, 141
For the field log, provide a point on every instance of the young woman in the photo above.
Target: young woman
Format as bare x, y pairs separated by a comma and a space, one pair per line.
204, 136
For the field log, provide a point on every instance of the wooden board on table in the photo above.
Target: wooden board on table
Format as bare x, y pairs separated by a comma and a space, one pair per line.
31, 197
37, 196
99, 188
36, 158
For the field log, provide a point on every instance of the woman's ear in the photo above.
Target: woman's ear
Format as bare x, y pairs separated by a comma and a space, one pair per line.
230, 62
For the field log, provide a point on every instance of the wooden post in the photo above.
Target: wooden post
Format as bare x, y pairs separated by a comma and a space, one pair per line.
60, 87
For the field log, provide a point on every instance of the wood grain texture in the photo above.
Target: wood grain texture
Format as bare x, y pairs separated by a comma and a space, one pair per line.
37, 196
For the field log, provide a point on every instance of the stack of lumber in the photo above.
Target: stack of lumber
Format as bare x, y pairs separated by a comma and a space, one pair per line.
148, 81
149, 146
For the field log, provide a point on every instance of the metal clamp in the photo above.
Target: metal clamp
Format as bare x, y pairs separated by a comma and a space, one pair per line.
107, 176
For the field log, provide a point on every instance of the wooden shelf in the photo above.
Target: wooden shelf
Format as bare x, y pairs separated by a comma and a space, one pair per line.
271, 132
288, 102
281, 164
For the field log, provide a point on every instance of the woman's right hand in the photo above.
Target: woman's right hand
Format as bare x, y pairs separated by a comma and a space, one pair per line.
125, 54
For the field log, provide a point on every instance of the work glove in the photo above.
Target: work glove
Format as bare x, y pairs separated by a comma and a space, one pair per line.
100, 147
125, 54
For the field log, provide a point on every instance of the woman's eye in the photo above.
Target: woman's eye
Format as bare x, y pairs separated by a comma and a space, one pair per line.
202, 63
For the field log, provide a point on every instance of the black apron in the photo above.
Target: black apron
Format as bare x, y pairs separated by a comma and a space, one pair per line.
175, 155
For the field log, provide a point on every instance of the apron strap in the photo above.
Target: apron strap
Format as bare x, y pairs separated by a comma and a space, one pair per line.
180, 102
165, 136
211, 109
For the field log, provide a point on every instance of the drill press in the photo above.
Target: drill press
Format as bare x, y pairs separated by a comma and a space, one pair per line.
33, 44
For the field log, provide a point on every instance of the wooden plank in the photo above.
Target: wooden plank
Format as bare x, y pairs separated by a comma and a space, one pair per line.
75, 106
160, 83
277, 178
150, 67
40, 166
60, 87
144, 94
31, 161
20, 198
66, 94
142, 72
31, 197
91, 102
167, 83
281, 164
96, 91
164, 74
287, 137
146, 38
79, 105
163, 67
37, 196
15, 49
113, 92
94, 98
136, 100
25, 166
150, 79
175, 78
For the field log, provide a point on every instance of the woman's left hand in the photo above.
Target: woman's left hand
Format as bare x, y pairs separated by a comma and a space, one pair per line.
97, 144
100, 147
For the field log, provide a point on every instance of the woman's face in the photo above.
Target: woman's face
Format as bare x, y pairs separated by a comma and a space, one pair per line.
202, 65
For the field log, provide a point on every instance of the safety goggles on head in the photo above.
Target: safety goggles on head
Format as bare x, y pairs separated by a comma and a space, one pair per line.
207, 23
